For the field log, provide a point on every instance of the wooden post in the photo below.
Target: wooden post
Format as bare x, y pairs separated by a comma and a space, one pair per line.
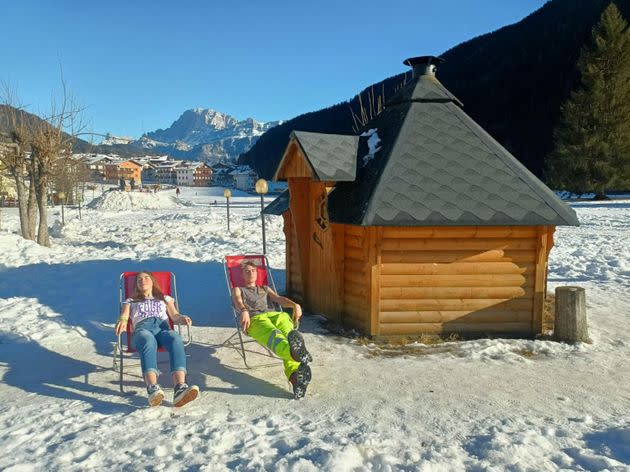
540, 279
570, 323
373, 241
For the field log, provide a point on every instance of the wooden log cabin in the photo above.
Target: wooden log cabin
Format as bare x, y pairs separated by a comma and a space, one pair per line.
422, 224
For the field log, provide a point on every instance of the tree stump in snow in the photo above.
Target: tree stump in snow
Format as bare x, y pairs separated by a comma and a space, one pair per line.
570, 323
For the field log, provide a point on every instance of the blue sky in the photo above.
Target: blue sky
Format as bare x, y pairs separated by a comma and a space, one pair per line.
137, 65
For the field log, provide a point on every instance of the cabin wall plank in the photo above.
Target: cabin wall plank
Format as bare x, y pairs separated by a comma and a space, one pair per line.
445, 232
458, 255
475, 280
396, 293
426, 304
475, 244
445, 316
457, 268
388, 329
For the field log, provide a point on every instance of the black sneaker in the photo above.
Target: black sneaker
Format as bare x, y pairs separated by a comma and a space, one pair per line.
300, 380
184, 394
298, 347
156, 394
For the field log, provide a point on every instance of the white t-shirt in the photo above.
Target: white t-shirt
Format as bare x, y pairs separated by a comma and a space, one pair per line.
148, 308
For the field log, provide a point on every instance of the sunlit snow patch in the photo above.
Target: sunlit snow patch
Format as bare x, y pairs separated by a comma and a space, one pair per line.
120, 201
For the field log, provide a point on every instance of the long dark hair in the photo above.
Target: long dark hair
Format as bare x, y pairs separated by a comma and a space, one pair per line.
156, 291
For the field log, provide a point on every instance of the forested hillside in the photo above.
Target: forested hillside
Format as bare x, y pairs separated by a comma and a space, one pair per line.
80, 145
512, 81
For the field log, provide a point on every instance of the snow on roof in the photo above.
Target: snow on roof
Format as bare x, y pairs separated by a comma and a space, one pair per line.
190, 164
240, 170
93, 158
168, 165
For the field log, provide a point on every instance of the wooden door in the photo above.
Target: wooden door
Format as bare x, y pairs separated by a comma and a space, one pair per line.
323, 296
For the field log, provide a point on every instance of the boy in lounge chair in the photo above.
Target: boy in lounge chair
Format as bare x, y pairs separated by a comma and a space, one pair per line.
273, 329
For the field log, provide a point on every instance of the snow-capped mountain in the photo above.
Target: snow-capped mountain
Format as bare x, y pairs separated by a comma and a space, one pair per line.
111, 140
202, 134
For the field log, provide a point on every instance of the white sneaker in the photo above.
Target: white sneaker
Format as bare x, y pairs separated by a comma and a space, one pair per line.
184, 394
156, 394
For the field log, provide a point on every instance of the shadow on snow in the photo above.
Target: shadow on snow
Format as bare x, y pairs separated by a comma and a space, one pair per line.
85, 294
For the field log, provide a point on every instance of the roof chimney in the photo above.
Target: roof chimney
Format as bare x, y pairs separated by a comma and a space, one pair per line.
423, 65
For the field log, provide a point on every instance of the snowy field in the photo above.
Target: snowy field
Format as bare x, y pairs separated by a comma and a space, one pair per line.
477, 405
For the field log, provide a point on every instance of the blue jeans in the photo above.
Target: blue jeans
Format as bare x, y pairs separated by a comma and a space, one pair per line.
152, 333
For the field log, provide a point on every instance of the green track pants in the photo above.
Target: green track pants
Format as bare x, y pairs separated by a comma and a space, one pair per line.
270, 330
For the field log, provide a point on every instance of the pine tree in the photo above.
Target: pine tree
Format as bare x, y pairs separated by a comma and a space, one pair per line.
592, 140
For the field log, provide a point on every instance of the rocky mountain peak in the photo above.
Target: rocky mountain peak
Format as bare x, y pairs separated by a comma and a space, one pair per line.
204, 133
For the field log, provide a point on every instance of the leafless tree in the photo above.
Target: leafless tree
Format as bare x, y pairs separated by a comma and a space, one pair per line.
48, 140
50, 143
70, 177
3, 190
14, 156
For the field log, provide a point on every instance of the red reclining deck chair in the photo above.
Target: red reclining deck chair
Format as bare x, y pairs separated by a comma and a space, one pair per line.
234, 278
127, 285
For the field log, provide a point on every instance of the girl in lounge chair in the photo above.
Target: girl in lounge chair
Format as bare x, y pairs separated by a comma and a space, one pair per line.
149, 310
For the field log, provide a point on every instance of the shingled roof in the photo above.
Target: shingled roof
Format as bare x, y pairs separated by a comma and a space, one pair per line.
279, 205
424, 162
331, 156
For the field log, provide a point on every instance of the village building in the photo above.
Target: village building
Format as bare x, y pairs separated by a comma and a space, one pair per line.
184, 175
130, 171
166, 172
422, 224
202, 177
7, 188
150, 164
149, 172
111, 171
127, 170
222, 175
96, 165
244, 178
193, 174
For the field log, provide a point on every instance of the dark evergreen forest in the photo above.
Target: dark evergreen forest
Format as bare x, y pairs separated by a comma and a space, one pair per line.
512, 82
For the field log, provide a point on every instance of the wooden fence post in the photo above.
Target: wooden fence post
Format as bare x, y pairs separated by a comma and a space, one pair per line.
570, 322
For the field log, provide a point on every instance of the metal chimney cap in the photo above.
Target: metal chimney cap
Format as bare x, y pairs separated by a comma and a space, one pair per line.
423, 60
423, 65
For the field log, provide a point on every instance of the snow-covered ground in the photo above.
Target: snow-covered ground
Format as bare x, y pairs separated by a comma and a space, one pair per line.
476, 405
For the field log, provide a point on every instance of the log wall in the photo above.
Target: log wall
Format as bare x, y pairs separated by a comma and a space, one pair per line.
460, 279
